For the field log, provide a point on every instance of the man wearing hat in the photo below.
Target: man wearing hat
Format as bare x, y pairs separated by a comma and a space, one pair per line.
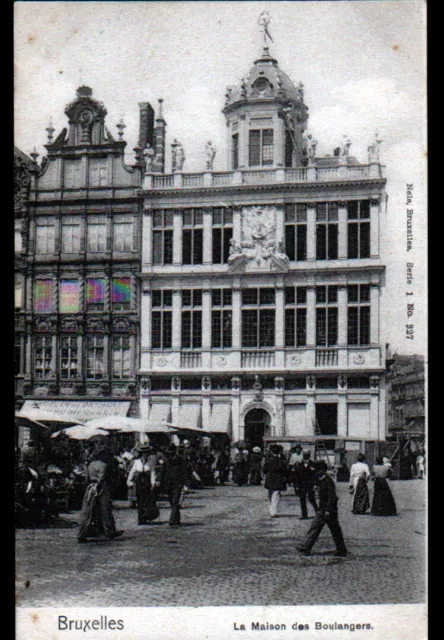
275, 469
174, 480
327, 514
143, 475
306, 482
294, 461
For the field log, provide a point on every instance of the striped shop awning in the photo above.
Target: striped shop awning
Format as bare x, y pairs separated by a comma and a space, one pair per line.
221, 418
83, 410
190, 415
160, 412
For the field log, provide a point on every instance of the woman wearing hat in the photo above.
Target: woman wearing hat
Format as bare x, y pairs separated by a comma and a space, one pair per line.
359, 475
96, 515
143, 476
255, 466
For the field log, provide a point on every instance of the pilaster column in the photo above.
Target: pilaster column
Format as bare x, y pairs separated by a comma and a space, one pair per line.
374, 228
177, 237
177, 320
280, 223
206, 319
237, 223
279, 319
133, 355
236, 327
207, 236
310, 414
243, 142
374, 314
311, 317
311, 232
342, 415
80, 351
84, 169
342, 230
342, 316
145, 317
235, 409
147, 237
206, 412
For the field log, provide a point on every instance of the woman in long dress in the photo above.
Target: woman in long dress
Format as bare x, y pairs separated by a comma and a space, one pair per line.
383, 502
240, 467
359, 475
96, 517
143, 476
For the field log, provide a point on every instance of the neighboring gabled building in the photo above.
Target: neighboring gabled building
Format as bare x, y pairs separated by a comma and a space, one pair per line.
406, 395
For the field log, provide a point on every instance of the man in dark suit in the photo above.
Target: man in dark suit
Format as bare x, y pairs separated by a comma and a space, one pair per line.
306, 475
327, 514
175, 477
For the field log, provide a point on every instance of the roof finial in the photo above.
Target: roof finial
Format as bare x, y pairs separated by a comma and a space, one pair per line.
263, 22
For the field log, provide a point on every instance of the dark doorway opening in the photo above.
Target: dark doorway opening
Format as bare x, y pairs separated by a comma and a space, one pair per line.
327, 418
257, 425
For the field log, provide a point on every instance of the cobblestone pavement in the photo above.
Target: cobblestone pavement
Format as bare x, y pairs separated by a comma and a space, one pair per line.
229, 552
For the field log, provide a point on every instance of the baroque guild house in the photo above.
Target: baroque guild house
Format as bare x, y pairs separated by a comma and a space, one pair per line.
260, 285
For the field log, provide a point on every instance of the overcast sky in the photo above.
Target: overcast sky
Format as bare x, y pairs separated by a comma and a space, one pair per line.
362, 65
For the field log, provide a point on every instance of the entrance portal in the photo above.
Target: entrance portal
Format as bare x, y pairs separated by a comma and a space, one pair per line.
257, 425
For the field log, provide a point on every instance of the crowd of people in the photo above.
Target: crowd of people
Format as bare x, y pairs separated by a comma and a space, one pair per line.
150, 472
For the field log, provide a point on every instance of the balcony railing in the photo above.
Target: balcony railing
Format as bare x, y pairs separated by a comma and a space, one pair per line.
257, 359
190, 360
326, 357
261, 176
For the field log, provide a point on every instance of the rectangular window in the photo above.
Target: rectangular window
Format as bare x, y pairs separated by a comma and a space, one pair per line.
235, 151
296, 231
192, 236
42, 356
95, 367
163, 237
288, 149
120, 357
295, 316
123, 234
222, 234
121, 293
162, 319
98, 172
70, 234
191, 318
43, 296
96, 234
45, 235
358, 312
258, 322
221, 318
358, 229
261, 147
326, 316
326, 231
68, 357
95, 294
69, 296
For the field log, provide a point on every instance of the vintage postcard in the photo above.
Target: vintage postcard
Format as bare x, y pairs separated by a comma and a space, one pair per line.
220, 320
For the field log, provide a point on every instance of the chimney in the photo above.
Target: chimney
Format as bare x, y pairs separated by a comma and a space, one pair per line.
159, 142
146, 124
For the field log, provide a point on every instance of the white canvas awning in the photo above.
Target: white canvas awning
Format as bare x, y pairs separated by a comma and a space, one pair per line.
221, 418
190, 415
160, 412
82, 410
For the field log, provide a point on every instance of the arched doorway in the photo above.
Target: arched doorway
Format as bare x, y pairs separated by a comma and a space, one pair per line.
257, 425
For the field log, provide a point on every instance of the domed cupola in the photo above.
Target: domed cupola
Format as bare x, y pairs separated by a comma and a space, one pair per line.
266, 117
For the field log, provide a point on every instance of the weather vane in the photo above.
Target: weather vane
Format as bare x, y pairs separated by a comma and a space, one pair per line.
264, 21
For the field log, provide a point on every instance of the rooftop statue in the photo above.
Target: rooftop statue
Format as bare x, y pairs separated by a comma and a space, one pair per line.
345, 147
210, 154
148, 154
310, 148
373, 149
178, 155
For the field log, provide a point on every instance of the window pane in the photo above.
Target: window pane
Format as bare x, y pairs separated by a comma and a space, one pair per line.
321, 239
266, 296
364, 292
167, 329
197, 297
290, 212
321, 326
332, 293
364, 247
227, 328
216, 297
156, 297
198, 217
249, 328
301, 242
352, 240
157, 247
216, 334
227, 235
197, 329
217, 246
167, 298
43, 296
301, 328
332, 327
364, 329
186, 298
168, 247
352, 333
198, 246
301, 295
186, 246
301, 212
332, 241
353, 293
290, 315
321, 295
156, 330
352, 208
289, 294
69, 296
266, 328
321, 211
249, 296
186, 329
254, 148
235, 151
157, 219
364, 209
168, 218
332, 211
121, 290
188, 218
217, 215
290, 241
226, 293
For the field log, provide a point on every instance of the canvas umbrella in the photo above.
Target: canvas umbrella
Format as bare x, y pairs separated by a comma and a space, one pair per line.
80, 432
36, 416
176, 427
124, 424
